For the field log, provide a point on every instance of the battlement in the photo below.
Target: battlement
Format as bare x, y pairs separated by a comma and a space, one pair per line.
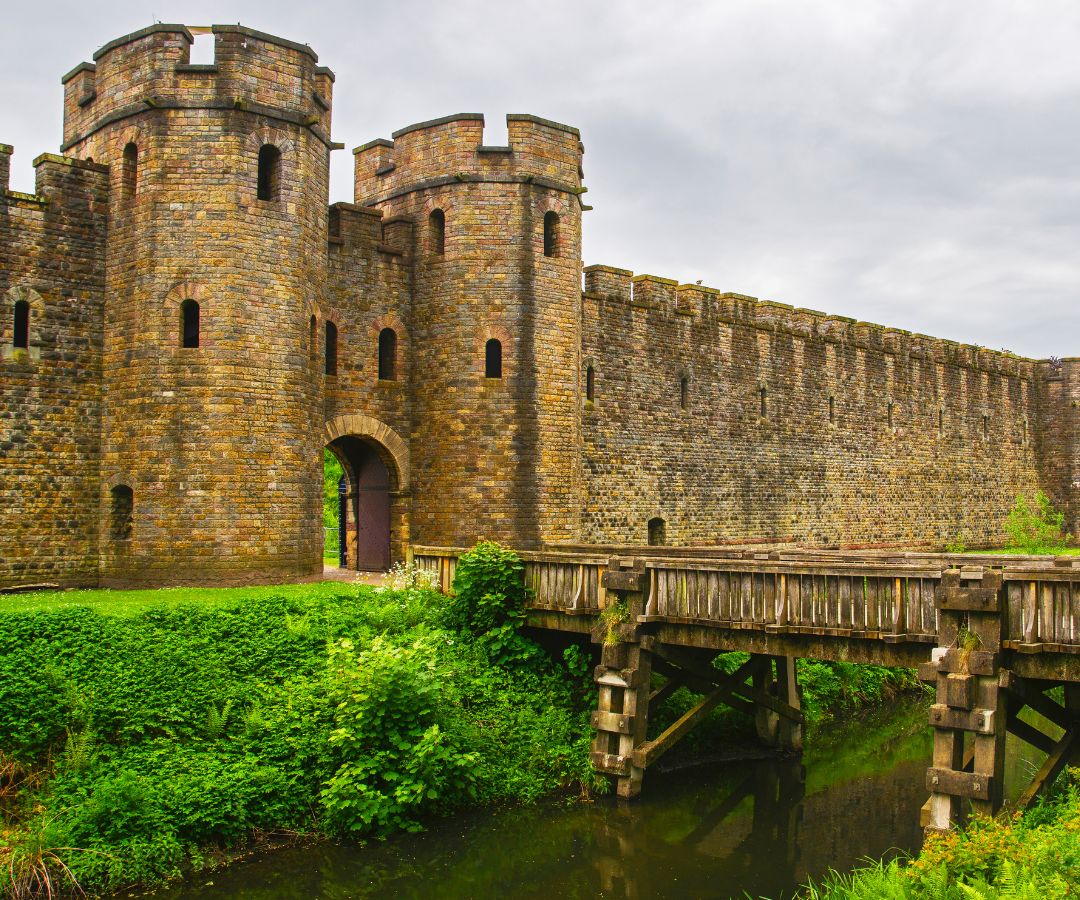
151, 69
452, 149
668, 296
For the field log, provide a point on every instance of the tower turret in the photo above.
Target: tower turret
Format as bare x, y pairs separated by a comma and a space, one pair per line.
212, 390
496, 323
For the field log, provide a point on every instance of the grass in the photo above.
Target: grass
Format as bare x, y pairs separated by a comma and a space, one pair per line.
132, 602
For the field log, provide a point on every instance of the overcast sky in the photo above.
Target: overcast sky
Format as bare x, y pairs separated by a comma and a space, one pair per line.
911, 163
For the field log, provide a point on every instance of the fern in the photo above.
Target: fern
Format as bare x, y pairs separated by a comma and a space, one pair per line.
217, 720
79, 749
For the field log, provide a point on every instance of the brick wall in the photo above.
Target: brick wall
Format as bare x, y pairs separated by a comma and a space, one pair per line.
220, 444
51, 257
949, 465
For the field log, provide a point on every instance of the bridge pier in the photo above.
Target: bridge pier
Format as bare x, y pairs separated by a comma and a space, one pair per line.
978, 702
630, 656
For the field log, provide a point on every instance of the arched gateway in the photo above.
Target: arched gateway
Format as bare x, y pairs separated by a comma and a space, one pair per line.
376, 464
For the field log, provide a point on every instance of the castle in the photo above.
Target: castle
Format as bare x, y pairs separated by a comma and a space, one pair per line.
185, 324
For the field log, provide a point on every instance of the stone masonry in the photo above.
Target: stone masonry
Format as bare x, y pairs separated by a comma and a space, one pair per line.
198, 324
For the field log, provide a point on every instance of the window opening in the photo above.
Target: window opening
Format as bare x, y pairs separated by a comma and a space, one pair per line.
121, 512
437, 223
590, 384
130, 171
21, 334
387, 354
493, 359
331, 348
189, 314
269, 179
657, 532
551, 234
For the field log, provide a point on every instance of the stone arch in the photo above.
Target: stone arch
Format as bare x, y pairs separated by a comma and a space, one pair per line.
21, 293
393, 448
253, 144
170, 320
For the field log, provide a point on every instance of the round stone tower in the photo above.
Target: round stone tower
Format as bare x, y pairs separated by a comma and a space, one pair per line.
212, 391
496, 323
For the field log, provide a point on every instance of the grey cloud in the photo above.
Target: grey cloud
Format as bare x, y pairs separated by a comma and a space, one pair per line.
912, 163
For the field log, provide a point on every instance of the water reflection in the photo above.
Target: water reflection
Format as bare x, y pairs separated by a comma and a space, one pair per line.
725, 829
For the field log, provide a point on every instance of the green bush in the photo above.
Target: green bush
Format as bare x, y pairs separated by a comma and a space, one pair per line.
157, 736
1035, 528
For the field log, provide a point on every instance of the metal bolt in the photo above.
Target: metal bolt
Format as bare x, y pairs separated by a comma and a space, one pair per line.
977, 786
934, 780
937, 715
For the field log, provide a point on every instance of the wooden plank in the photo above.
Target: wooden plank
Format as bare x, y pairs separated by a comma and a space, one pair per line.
1030, 620
846, 604
1055, 762
978, 720
613, 722
969, 785
1038, 701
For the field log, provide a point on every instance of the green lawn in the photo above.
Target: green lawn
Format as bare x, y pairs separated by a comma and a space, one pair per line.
116, 602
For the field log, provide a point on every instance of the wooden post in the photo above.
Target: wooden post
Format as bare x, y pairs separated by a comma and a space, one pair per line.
624, 677
969, 698
766, 721
790, 732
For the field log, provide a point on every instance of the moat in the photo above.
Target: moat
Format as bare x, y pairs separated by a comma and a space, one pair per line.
716, 829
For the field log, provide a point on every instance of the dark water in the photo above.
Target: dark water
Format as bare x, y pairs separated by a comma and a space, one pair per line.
721, 829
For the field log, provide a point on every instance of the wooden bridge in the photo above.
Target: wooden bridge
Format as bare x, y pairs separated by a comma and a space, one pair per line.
995, 634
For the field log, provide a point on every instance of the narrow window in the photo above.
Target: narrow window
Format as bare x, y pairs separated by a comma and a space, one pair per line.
684, 392
889, 415
763, 394
986, 425
313, 337
269, 186
387, 354
832, 410
493, 359
437, 224
331, 348
130, 171
1025, 432
21, 335
551, 234
590, 384
941, 421
189, 327
121, 512
657, 532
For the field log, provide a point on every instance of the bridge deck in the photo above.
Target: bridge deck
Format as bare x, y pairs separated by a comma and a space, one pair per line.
859, 606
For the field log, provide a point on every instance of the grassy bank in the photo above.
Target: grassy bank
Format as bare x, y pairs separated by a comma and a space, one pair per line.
1033, 856
139, 738
148, 733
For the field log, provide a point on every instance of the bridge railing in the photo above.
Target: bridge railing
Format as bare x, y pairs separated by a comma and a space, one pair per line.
851, 594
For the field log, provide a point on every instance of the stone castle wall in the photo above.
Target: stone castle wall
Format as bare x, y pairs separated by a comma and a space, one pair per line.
727, 418
220, 443
51, 257
492, 457
797, 426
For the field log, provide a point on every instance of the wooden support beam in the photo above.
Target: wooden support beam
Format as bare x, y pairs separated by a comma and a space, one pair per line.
668, 688
650, 751
1029, 733
1055, 762
1038, 701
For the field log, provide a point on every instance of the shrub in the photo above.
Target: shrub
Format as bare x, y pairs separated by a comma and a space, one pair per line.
488, 590
1037, 528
